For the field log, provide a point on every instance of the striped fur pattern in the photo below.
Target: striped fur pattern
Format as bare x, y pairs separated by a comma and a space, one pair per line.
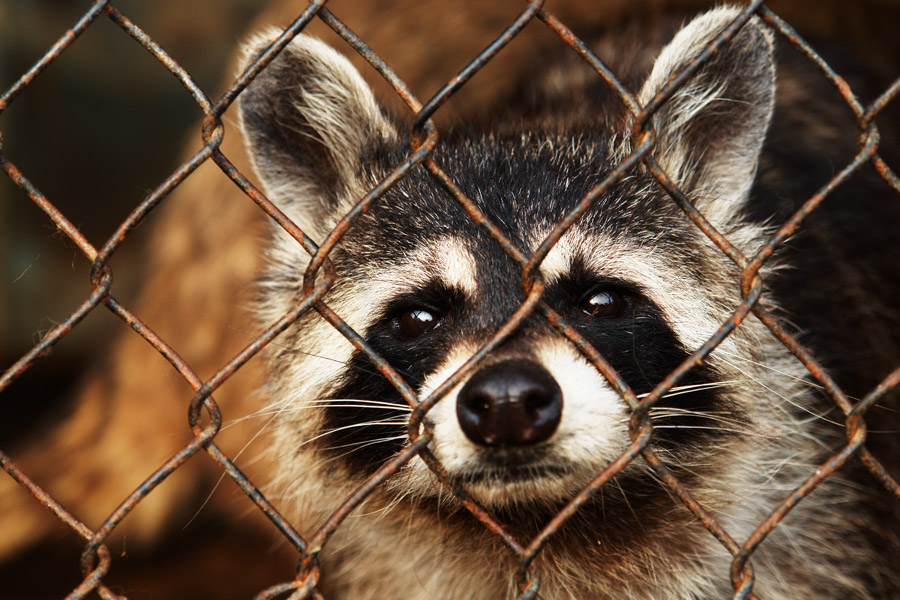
426, 288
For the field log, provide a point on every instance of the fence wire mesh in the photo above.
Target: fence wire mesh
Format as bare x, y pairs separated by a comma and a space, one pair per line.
205, 418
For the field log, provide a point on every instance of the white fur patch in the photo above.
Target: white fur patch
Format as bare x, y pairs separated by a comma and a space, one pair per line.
686, 309
686, 44
450, 261
727, 176
444, 259
592, 431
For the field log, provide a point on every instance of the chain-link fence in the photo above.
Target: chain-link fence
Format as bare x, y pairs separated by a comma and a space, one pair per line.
205, 419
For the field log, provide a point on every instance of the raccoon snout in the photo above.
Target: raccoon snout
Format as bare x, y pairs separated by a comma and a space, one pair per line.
511, 403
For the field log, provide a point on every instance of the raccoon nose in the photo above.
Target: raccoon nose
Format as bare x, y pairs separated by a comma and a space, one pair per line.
512, 403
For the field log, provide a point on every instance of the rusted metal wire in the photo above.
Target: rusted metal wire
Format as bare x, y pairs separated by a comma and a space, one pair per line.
320, 275
477, 63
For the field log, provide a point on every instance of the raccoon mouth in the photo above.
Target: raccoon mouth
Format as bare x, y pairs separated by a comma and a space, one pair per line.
505, 474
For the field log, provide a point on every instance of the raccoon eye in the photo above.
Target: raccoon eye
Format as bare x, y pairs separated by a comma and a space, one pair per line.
416, 322
605, 303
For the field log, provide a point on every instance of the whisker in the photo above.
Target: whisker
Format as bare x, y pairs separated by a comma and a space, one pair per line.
391, 422
359, 445
239, 453
727, 423
789, 399
355, 446
711, 428
316, 404
360, 403
685, 389
788, 376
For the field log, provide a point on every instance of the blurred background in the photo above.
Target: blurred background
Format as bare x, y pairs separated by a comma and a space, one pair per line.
95, 132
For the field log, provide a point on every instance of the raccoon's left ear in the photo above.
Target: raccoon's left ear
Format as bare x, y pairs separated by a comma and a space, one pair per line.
308, 119
711, 131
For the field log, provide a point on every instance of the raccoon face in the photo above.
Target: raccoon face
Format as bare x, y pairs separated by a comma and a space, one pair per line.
426, 287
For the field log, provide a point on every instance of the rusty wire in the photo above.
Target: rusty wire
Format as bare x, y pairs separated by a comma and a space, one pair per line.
320, 275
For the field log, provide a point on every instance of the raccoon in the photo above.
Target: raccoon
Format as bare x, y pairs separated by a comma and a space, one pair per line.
521, 431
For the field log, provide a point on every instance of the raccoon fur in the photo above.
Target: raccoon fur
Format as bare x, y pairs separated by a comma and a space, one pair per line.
533, 423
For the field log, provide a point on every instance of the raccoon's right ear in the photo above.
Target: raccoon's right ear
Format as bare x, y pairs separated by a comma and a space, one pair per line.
307, 120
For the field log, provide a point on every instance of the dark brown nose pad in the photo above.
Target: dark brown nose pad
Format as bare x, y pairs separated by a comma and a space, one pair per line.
511, 403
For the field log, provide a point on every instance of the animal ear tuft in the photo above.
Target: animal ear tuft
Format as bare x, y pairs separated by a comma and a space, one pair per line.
711, 130
308, 119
